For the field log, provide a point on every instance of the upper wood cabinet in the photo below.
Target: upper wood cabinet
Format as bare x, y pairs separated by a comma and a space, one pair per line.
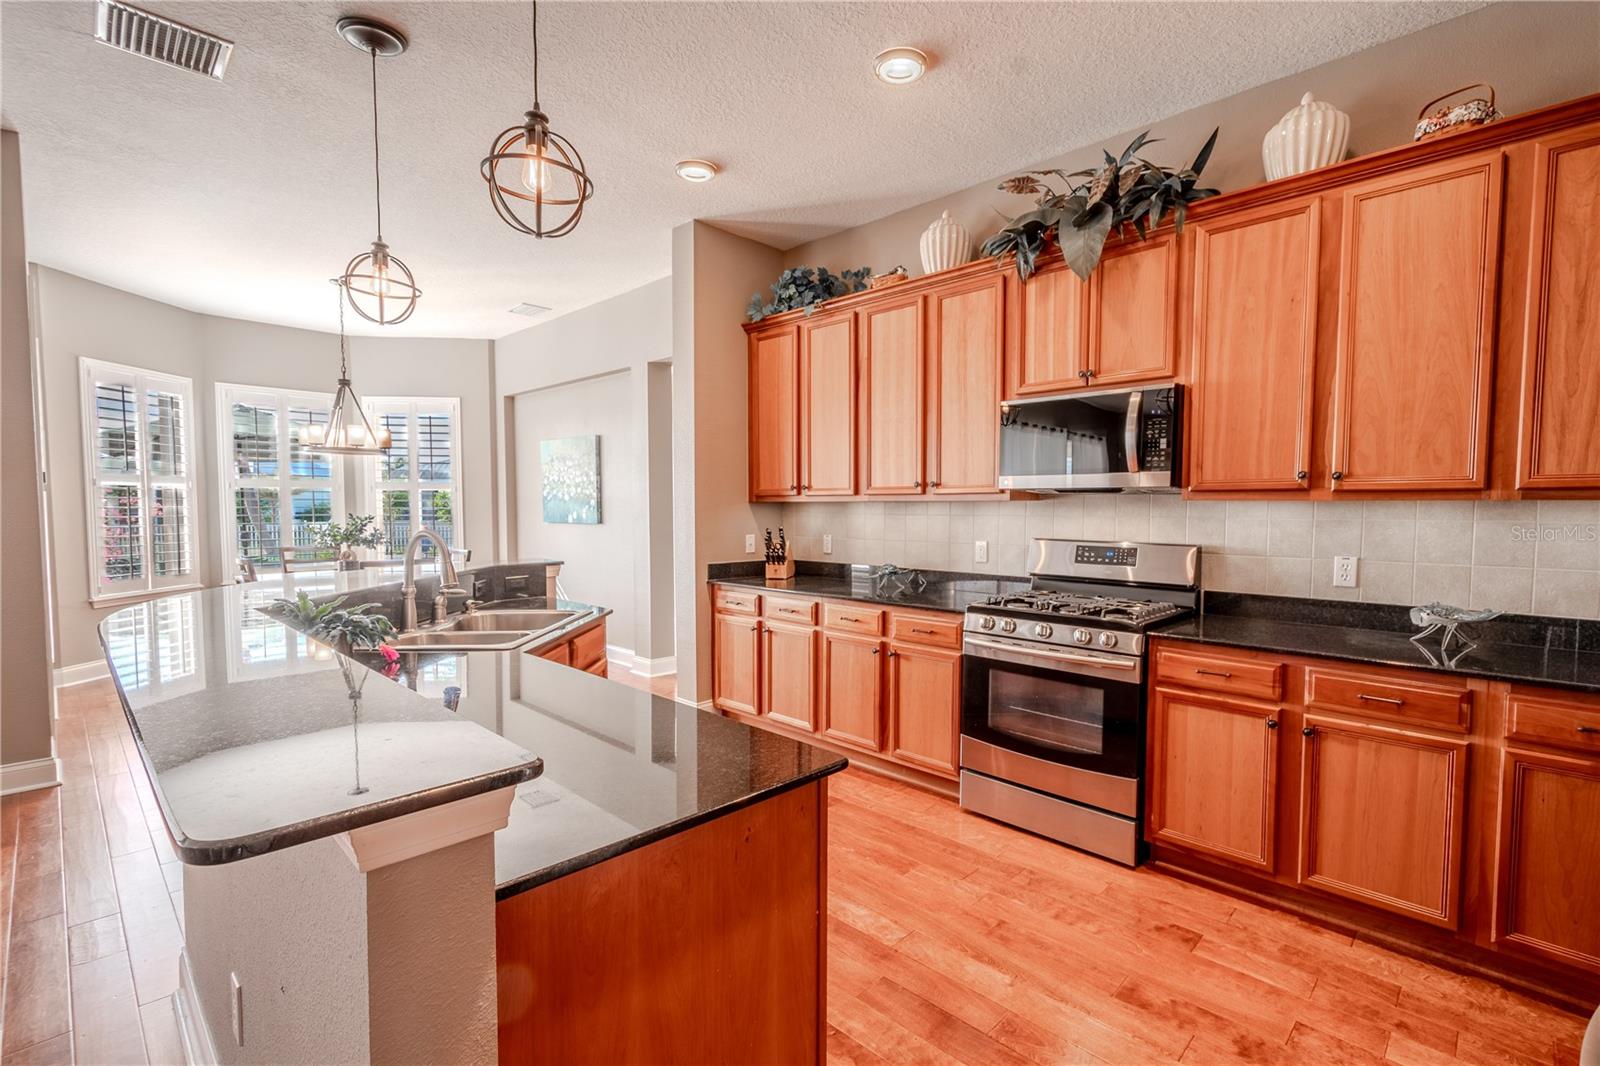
774, 412
1561, 345
892, 405
1418, 263
1253, 336
1051, 327
828, 406
966, 333
1133, 314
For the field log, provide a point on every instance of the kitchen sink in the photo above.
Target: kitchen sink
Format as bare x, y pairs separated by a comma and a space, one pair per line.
484, 631
486, 621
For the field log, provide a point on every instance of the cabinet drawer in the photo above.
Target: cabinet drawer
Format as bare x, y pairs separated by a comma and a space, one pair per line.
589, 647
933, 630
599, 668
852, 618
1212, 672
1553, 721
556, 653
790, 609
1372, 694
735, 601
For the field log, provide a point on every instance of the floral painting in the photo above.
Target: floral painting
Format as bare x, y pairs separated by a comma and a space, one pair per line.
569, 473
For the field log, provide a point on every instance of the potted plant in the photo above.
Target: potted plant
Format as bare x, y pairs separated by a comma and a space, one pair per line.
806, 287
345, 629
343, 538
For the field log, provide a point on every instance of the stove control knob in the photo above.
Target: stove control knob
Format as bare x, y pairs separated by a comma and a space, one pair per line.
1080, 636
985, 621
1008, 625
1042, 630
1108, 640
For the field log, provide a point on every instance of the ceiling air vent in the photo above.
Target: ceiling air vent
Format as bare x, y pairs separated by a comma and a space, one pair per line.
131, 30
531, 310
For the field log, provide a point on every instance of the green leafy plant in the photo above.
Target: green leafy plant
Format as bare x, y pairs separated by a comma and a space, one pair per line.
334, 623
806, 287
1126, 191
357, 531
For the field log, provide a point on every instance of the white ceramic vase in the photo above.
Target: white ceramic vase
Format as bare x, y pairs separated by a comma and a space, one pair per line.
1313, 135
945, 245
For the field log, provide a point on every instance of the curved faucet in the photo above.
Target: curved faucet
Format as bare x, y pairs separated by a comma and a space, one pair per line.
449, 580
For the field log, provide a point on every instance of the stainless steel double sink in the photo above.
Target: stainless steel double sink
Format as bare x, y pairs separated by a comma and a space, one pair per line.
490, 630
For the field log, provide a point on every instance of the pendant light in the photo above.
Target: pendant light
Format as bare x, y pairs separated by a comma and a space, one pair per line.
378, 285
536, 178
348, 432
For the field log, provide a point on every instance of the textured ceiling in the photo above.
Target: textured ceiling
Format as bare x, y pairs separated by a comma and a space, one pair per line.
241, 197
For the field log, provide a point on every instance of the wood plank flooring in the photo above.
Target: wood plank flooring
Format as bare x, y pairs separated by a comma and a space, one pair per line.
952, 939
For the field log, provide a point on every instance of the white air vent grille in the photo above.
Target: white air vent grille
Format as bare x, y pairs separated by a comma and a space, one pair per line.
530, 310
131, 30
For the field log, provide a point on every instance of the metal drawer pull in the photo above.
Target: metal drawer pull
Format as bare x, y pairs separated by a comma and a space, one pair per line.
1272, 723
1394, 700
1213, 673
848, 618
1308, 731
927, 632
1588, 729
787, 610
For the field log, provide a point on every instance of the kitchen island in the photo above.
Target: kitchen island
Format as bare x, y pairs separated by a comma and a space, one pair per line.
452, 855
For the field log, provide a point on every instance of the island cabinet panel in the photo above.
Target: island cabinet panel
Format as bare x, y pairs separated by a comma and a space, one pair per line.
966, 341
709, 946
1252, 347
1418, 265
1133, 314
828, 406
736, 665
775, 412
924, 707
1051, 312
1214, 776
1561, 347
789, 674
852, 690
1381, 813
1547, 891
892, 385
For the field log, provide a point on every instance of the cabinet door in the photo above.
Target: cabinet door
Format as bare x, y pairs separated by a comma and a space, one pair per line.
1561, 345
1052, 342
736, 665
967, 332
1418, 263
1381, 811
1214, 776
1133, 314
852, 690
892, 348
1252, 343
789, 674
924, 707
828, 406
1547, 888
775, 413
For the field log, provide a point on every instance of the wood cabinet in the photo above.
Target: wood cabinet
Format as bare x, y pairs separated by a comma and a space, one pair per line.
852, 690
965, 340
892, 402
1051, 316
1418, 264
1213, 775
828, 406
1381, 811
1561, 346
1133, 314
736, 666
789, 674
1253, 337
775, 412
924, 706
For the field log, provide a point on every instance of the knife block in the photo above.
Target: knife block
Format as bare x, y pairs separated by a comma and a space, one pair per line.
783, 571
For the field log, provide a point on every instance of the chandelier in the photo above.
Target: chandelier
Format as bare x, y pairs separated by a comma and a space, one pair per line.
349, 431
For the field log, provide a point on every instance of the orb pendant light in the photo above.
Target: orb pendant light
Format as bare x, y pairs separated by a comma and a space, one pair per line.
349, 431
536, 178
379, 287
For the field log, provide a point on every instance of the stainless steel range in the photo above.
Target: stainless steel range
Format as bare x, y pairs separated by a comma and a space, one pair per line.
1052, 690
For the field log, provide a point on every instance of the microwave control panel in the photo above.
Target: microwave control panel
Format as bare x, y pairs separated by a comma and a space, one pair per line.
1156, 450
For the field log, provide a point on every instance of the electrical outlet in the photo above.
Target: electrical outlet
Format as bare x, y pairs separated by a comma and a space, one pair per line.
750, 543
1344, 571
236, 1001
827, 544
980, 551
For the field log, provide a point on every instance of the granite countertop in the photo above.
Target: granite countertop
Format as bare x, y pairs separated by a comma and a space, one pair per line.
1563, 653
944, 591
253, 742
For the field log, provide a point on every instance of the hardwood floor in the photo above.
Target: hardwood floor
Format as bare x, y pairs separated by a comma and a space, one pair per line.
952, 939
664, 685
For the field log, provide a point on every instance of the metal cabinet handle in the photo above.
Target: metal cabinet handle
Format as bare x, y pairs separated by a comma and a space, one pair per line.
916, 484
1392, 700
876, 650
792, 487
1308, 732
805, 488
1301, 475
1213, 673
1272, 723
787, 610
933, 484
892, 653
1338, 475
1588, 729
928, 632
848, 618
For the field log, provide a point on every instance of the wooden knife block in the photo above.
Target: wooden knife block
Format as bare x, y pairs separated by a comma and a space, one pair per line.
783, 571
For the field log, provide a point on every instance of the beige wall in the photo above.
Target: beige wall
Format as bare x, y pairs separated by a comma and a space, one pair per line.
26, 696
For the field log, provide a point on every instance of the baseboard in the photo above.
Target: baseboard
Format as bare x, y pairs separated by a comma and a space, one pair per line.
625, 658
704, 705
198, 1049
29, 775
79, 673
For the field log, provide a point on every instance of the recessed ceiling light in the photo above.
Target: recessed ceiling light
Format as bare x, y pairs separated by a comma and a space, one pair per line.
900, 66
530, 310
696, 170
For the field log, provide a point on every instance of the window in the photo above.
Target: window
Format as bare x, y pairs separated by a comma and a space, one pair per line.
274, 491
138, 452
417, 480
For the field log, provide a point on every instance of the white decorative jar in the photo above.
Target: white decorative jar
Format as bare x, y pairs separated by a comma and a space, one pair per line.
945, 245
1313, 135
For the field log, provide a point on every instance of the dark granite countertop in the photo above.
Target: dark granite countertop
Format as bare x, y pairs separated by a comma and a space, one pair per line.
253, 743
943, 591
1563, 653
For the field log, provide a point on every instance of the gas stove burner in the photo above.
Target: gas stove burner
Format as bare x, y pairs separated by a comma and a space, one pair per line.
1077, 605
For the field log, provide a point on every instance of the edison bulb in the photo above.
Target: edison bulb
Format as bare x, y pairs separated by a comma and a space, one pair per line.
536, 173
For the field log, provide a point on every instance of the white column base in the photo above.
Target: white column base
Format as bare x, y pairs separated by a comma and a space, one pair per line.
374, 846
29, 775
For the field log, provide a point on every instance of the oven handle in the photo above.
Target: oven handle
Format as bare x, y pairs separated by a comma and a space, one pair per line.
1015, 654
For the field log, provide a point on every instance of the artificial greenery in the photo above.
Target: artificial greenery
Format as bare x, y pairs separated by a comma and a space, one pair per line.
807, 287
1126, 191
357, 531
335, 623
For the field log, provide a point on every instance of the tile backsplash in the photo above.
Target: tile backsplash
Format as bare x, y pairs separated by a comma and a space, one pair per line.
1524, 557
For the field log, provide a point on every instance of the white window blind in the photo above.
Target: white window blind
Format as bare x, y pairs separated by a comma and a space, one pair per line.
138, 445
416, 482
275, 492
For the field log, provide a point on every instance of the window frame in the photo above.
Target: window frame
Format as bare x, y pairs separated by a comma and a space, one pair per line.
94, 372
374, 486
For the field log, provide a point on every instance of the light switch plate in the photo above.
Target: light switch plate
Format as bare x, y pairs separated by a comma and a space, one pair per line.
750, 543
1344, 572
980, 551
827, 544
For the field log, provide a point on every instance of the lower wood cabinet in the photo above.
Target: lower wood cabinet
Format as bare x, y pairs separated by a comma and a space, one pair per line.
789, 674
852, 690
924, 706
736, 669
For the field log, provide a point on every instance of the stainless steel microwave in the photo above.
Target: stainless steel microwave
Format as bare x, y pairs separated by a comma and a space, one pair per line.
1120, 439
